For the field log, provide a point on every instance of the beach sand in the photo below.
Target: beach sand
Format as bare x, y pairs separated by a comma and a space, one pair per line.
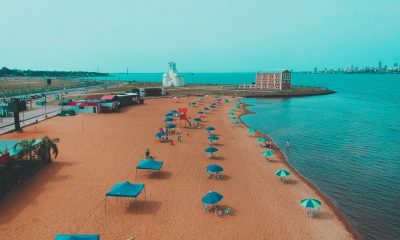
96, 151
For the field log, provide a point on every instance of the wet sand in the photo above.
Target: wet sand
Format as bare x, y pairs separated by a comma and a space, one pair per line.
96, 151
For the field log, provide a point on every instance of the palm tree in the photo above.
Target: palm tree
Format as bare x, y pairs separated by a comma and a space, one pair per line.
27, 147
47, 146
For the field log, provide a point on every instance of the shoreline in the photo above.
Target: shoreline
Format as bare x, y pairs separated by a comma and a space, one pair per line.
346, 222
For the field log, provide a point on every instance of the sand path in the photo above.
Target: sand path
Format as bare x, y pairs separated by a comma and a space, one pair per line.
96, 151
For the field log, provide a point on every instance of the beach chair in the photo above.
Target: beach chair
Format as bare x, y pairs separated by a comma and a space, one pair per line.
219, 176
228, 211
208, 174
218, 212
206, 207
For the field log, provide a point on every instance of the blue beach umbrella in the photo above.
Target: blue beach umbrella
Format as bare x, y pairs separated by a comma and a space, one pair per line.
212, 106
169, 114
170, 126
212, 198
197, 119
282, 173
211, 150
160, 134
200, 112
213, 137
214, 168
310, 203
206, 108
168, 119
210, 129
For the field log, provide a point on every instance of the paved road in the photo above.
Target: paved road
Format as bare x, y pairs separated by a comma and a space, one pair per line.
26, 118
38, 112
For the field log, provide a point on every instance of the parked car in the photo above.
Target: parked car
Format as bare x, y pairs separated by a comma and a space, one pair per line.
66, 112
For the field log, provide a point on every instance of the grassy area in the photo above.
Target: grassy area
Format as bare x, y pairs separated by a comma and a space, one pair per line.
18, 83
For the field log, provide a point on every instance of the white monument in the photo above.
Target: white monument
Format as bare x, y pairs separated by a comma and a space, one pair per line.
173, 78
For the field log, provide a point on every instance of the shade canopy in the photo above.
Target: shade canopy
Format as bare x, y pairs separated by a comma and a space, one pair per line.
268, 153
282, 173
261, 139
213, 137
171, 126
150, 164
310, 203
77, 237
160, 134
126, 189
212, 198
210, 129
214, 168
211, 150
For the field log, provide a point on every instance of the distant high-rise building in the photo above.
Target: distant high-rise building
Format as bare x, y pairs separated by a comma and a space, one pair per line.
379, 65
315, 70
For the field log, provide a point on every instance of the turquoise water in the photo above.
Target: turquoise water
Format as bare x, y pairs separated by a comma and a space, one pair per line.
346, 143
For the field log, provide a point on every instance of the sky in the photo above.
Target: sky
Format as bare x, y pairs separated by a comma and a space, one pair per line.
199, 35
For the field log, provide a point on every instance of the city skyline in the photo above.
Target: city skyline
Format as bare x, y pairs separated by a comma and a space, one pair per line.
205, 36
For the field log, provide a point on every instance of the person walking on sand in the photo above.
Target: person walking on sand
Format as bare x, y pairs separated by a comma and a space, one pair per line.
179, 137
148, 153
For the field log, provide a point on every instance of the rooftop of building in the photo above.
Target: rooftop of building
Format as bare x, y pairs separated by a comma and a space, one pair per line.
273, 71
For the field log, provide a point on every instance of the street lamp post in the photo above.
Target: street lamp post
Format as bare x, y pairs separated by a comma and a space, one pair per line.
192, 84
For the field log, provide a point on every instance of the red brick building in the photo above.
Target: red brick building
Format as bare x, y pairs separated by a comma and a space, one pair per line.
273, 79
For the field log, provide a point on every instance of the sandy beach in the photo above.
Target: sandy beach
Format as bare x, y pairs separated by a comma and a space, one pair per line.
96, 151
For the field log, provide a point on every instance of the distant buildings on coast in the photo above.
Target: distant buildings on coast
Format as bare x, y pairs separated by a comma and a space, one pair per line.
271, 80
379, 69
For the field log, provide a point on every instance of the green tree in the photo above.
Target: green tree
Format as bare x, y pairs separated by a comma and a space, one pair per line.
46, 147
27, 148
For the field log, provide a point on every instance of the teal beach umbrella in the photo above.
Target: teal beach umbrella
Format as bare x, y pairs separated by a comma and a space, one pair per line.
310, 203
251, 130
211, 150
213, 137
212, 198
282, 173
261, 139
170, 126
210, 129
268, 153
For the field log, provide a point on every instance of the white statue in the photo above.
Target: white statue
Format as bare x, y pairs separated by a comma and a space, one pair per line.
173, 78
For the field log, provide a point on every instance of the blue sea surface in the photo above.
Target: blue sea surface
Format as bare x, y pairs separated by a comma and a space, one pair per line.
346, 143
